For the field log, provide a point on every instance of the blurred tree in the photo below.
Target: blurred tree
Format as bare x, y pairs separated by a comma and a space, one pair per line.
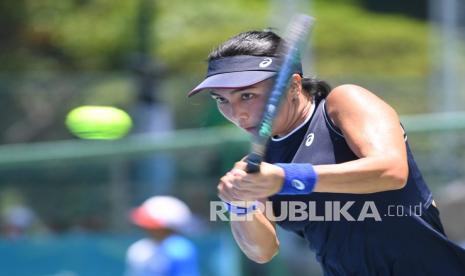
99, 34
53, 53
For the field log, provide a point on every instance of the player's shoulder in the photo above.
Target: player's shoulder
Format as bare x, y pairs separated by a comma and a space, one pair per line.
347, 91
348, 96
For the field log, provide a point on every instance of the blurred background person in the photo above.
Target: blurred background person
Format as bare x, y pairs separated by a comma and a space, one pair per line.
17, 220
165, 251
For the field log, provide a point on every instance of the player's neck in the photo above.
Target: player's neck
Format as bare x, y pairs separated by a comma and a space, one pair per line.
304, 113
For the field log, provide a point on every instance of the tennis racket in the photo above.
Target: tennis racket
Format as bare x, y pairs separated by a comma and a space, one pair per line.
290, 48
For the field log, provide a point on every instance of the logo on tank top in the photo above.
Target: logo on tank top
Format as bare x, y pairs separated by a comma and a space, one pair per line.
309, 140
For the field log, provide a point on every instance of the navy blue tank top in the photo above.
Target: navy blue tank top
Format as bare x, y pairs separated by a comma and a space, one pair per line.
364, 245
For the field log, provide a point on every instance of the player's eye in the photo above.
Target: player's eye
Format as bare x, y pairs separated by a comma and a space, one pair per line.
219, 99
247, 96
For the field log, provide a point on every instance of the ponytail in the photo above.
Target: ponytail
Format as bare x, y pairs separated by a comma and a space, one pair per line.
318, 89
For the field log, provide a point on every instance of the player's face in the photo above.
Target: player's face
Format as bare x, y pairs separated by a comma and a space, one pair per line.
243, 107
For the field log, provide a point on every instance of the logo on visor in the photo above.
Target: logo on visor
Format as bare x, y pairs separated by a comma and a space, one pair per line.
265, 63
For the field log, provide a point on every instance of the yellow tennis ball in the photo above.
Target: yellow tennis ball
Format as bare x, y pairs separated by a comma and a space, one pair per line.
98, 122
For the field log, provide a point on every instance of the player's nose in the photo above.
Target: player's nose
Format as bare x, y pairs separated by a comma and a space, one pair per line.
240, 114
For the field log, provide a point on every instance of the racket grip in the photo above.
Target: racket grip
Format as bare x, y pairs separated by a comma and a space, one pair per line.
253, 162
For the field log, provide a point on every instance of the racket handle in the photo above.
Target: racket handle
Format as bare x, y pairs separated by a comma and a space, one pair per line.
253, 162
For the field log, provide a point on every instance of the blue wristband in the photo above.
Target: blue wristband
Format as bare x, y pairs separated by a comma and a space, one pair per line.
239, 210
299, 179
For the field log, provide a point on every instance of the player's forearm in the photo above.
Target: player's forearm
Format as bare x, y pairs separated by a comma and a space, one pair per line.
256, 237
365, 175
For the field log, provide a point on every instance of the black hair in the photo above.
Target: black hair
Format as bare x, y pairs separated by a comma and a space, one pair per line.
265, 43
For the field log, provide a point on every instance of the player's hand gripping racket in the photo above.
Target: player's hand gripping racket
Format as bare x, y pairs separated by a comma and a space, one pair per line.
295, 40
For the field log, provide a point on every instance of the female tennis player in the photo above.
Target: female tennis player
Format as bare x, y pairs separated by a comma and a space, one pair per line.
341, 155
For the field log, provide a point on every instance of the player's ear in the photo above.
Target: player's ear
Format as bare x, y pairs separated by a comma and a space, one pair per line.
295, 88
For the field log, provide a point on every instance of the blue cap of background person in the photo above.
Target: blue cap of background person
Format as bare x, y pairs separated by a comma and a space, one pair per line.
236, 72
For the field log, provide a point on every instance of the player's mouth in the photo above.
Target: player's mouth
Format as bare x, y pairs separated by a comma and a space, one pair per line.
252, 130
